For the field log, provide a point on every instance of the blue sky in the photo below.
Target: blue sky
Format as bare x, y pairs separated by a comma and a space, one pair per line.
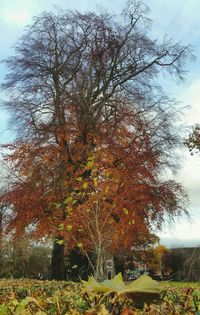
179, 19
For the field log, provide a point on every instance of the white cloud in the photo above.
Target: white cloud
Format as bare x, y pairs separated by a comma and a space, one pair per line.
179, 19
191, 96
17, 17
16, 12
189, 176
182, 230
19, 12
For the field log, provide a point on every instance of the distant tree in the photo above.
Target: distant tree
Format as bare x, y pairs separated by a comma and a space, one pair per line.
192, 266
153, 257
21, 257
74, 81
174, 260
193, 141
3, 208
126, 259
159, 253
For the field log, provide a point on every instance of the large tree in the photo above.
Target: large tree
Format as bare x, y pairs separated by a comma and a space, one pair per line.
79, 85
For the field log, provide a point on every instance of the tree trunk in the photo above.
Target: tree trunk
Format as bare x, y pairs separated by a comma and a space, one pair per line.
99, 270
57, 261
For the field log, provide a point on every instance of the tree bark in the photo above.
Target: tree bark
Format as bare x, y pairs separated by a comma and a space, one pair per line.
99, 270
57, 261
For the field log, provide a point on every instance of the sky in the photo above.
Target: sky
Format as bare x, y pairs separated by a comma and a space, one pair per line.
179, 19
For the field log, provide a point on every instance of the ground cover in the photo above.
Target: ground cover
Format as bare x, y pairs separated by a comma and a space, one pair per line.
183, 284
28, 296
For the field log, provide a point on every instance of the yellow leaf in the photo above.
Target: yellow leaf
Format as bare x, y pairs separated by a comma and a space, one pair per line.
90, 164
79, 179
69, 209
125, 211
85, 185
68, 199
59, 242
91, 158
80, 245
61, 227
103, 310
107, 174
107, 190
95, 181
69, 227
143, 285
94, 170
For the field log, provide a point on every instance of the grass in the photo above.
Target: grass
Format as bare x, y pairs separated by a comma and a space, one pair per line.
180, 284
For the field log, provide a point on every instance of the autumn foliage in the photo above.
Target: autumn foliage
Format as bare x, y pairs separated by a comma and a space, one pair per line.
106, 197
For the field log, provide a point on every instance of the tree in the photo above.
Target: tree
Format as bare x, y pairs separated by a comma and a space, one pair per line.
114, 207
3, 208
157, 261
80, 84
191, 265
21, 257
193, 141
174, 261
126, 260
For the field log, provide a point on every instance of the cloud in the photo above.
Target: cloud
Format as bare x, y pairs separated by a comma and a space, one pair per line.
16, 12
183, 229
186, 232
179, 19
19, 12
189, 175
17, 17
191, 96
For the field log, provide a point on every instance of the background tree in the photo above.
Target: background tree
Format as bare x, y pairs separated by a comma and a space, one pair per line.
21, 257
191, 266
174, 260
125, 260
3, 208
74, 81
156, 261
193, 141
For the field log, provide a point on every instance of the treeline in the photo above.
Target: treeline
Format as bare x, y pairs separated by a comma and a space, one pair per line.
25, 258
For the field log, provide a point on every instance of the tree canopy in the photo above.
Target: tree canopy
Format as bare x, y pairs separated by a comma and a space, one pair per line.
95, 132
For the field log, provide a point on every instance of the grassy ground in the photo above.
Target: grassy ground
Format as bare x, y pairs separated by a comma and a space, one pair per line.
27, 296
180, 284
